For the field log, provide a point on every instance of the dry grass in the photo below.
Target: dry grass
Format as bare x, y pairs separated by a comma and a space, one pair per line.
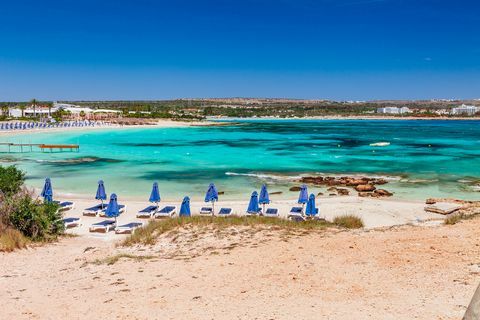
11, 239
453, 219
114, 259
148, 234
348, 221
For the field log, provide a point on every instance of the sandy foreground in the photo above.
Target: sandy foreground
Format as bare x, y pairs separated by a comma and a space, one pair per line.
403, 272
424, 270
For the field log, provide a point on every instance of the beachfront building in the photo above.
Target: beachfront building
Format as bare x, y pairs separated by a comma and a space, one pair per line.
394, 110
39, 111
465, 110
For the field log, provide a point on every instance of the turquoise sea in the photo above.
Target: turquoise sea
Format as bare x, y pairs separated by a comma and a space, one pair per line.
425, 158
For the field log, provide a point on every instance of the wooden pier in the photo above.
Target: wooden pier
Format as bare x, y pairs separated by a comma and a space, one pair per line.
30, 147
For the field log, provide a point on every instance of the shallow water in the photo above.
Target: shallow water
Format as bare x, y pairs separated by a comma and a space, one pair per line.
424, 158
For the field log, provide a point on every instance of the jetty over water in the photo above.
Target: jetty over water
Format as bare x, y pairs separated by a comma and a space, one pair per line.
32, 147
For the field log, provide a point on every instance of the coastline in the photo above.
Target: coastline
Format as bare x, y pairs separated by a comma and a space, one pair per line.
344, 118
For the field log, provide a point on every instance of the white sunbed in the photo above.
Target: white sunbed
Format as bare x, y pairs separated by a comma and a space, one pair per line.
65, 205
103, 226
271, 212
122, 208
128, 228
166, 212
298, 211
253, 213
206, 211
225, 212
95, 210
71, 222
147, 212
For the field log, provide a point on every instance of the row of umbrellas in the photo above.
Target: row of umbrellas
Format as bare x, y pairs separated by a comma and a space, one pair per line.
31, 125
211, 195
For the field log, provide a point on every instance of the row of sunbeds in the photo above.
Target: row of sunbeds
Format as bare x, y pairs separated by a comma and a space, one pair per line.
45, 125
153, 211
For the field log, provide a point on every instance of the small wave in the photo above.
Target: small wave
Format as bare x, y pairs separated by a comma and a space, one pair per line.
419, 180
263, 176
380, 144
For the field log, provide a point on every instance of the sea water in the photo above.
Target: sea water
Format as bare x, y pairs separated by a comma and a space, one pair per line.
420, 158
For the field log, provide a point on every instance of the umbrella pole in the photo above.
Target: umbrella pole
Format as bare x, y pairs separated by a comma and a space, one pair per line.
264, 209
213, 207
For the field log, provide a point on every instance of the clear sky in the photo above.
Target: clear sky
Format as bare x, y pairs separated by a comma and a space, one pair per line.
146, 49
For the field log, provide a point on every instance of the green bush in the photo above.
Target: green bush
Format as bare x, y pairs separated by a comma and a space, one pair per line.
11, 180
34, 219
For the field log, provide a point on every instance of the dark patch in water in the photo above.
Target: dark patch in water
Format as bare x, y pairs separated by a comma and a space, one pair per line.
82, 161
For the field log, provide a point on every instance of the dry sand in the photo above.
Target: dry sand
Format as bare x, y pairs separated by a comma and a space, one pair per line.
408, 272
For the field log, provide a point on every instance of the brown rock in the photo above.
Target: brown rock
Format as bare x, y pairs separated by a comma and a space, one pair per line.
332, 189
295, 189
320, 194
276, 192
430, 201
383, 193
365, 187
343, 192
364, 194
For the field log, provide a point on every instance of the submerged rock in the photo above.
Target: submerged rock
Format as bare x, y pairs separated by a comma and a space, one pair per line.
295, 189
383, 193
365, 187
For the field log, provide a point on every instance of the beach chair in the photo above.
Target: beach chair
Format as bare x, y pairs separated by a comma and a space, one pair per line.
103, 226
65, 205
166, 212
253, 213
95, 210
121, 207
271, 212
147, 212
225, 212
128, 228
206, 211
296, 211
71, 222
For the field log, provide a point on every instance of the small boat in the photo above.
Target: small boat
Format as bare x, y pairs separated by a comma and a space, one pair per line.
380, 144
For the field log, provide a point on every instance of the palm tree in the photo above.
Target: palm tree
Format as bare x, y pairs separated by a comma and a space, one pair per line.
5, 110
34, 104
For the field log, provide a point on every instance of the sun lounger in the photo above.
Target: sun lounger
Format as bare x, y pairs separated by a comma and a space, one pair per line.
225, 212
104, 226
128, 228
296, 211
254, 213
71, 222
147, 212
95, 210
122, 209
65, 205
271, 212
206, 211
166, 212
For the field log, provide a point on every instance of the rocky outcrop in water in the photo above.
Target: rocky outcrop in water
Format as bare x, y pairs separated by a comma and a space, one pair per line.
342, 181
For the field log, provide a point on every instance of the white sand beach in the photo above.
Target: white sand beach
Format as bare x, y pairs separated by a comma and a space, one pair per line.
374, 212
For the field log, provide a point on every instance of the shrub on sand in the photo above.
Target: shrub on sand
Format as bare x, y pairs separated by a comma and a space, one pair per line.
348, 221
453, 219
11, 239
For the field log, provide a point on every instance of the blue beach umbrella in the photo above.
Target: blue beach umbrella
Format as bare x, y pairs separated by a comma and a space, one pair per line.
264, 197
185, 207
47, 191
212, 196
113, 210
101, 195
303, 197
311, 210
155, 194
253, 204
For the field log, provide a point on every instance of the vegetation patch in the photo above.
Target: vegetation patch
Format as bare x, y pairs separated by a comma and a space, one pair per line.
23, 218
348, 221
114, 259
148, 234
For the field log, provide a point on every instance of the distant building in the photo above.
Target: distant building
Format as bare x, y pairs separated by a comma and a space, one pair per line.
465, 110
394, 110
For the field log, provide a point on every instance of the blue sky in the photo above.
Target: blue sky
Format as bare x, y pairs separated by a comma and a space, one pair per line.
333, 49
